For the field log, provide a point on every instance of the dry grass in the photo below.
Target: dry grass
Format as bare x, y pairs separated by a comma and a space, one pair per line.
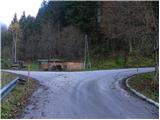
6, 78
145, 84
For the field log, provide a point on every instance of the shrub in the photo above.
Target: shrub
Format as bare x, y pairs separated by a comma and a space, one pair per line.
5, 64
119, 62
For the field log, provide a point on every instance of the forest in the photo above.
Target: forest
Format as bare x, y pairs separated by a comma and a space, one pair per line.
117, 31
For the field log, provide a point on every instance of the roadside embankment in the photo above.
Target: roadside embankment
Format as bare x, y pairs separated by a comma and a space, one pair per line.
145, 87
14, 103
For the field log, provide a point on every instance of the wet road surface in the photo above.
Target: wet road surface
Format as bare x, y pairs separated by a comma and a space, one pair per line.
89, 94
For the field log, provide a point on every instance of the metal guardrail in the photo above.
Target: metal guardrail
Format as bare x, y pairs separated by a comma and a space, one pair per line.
8, 88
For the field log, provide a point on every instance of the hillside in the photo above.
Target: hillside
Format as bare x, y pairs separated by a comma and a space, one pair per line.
113, 29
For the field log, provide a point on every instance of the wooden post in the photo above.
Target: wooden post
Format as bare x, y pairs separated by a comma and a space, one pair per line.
28, 72
87, 63
85, 59
28, 68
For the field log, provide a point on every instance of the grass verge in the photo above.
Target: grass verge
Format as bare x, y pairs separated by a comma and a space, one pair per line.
6, 78
115, 63
14, 103
146, 85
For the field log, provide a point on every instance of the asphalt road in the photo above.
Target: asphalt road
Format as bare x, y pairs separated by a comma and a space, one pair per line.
90, 94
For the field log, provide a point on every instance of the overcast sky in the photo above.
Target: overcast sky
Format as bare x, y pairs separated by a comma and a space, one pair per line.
9, 7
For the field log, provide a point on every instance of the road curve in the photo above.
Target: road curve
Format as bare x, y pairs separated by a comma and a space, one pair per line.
89, 94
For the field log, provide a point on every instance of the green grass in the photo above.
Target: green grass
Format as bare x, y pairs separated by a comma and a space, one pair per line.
113, 63
14, 103
33, 66
133, 62
6, 78
104, 64
145, 84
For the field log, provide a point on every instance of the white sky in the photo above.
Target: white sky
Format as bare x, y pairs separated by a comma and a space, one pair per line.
9, 7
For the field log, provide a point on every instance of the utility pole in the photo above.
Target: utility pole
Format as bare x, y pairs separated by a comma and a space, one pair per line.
87, 63
15, 48
85, 51
14, 53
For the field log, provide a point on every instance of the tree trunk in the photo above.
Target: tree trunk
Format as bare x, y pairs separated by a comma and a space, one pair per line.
130, 46
156, 64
